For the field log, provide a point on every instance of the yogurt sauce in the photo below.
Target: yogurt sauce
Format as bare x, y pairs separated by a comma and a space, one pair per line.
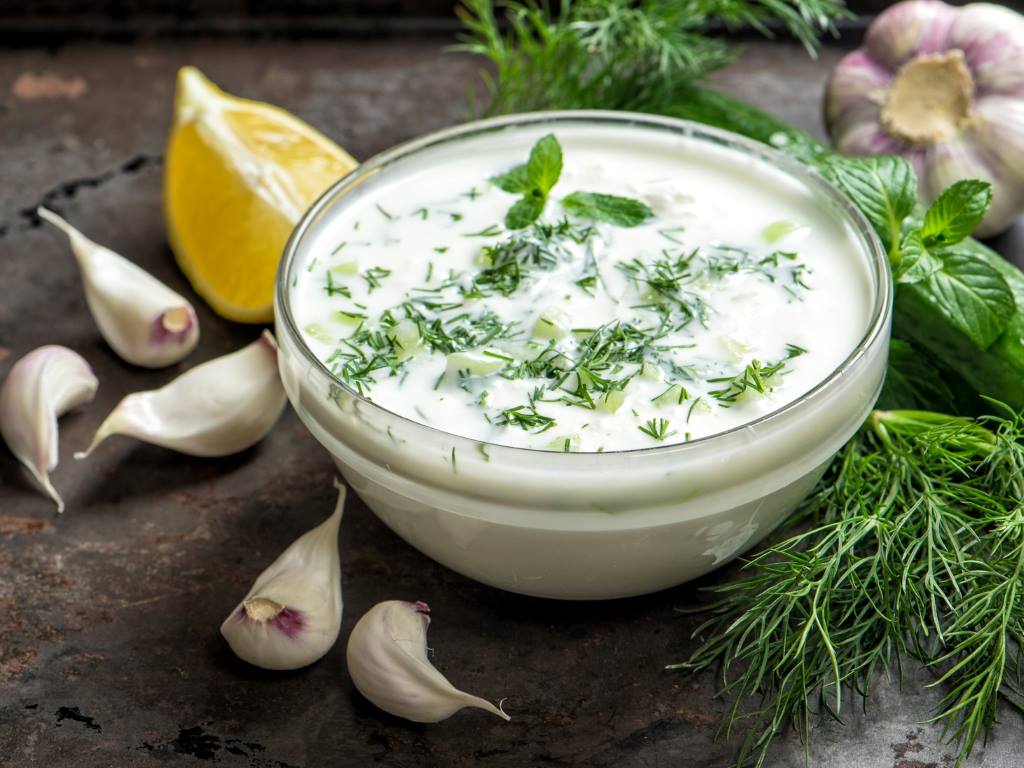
738, 293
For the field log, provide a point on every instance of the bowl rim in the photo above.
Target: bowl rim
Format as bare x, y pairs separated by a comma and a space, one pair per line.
878, 262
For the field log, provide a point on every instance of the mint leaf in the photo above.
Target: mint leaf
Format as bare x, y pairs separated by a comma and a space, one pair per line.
912, 381
883, 188
956, 212
545, 164
516, 181
621, 211
973, 296
916, 263
526, 211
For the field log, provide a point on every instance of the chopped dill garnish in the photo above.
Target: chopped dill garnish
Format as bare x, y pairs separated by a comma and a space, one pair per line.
657, 428
755, 377
373, 276
336, 289
492, 231
525, 417
384, 213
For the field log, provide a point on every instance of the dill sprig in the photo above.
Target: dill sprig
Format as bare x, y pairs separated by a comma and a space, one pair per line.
755, 377
618, 54
912, 547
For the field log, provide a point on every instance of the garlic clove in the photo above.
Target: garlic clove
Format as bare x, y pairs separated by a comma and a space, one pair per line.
387, 660
40, 387
907, 29
855, 92
992, 40
144, 322
292, 615
996, 125
220, 407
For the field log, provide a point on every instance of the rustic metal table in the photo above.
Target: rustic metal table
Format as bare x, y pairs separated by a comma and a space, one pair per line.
109, 647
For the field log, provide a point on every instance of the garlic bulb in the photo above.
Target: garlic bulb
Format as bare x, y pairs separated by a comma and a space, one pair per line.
41, 386
218, 408
944, 87
387, 660
292, 615
144, 321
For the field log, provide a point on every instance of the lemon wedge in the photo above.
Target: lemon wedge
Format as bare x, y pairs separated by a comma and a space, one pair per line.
238, 175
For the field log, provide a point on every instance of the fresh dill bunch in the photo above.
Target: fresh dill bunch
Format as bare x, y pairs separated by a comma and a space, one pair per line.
912, 547
618, 54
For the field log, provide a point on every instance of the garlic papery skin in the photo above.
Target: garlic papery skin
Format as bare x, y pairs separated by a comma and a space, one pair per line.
144, 322
387, 661
292, 615
944, 87
41, 386
220, 407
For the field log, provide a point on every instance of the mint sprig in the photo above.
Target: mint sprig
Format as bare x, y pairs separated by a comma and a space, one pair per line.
535, 179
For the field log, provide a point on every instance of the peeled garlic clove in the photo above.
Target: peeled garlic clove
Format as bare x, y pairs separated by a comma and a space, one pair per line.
144, 321
41, 386
215, 409
292, 615
387, 660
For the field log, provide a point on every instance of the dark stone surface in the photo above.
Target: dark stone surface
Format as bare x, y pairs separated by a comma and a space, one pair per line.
109, 647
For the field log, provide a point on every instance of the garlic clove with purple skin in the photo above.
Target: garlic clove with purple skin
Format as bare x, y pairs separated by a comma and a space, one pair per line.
944, 87
908, 29
387, 661
292, 615
220, 407
144, 322
41, 386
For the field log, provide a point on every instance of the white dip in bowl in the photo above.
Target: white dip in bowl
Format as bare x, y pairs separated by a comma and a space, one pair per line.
612, 398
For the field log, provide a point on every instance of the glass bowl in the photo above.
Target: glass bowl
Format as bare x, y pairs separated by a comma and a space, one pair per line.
583, 525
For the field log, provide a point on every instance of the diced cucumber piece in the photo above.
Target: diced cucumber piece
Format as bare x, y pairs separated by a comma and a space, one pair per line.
552, 324
674, 395
347, 267
567, 443
320, 333
406, 334
611, 401
348, 318
474, 363
651, 372
777, 230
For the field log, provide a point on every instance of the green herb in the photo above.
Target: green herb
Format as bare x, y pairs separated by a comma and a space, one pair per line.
912, 547
621, 211
422, 213
956, 212
533, 181
755, 377
538, 247
618, 54
525, 417
913, 381
972, 294
884, 188
492, 230
332, 288
373, 276
383, 213
338, 248
657, 428
669, 233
